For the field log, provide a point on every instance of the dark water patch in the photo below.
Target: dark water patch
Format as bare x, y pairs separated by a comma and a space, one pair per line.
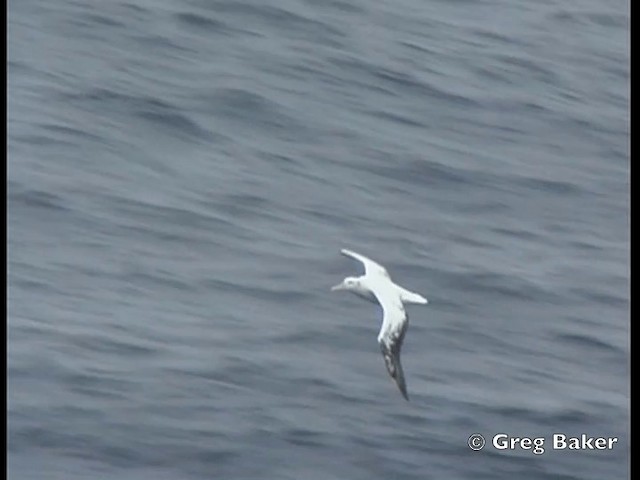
345, 397
155, 215
145, 281
608, 20
399, 83
497, 37
42, 140
195, 20
246, 201
484, 207
325, 216
251, 214
427, 173
492, 74
511, 287
417, 47
262, 293
527, 375
517, 233
491, 341
199, 233
587, 342
60, 440
335, 6
408, 84
96, 20
620, 72
321, 336
591, 247
19, 67
36, 284
398, 119
407, 417
535, 106
549, 186
286, 22
97, 95
313, 70
598, 128
161, 44
158, 113
529, 68
171, 119
464, 2
600, 297
508, 133
117, 456
111, 345
218, 377
298, 167
210, 458
64, 131
186, 239
539, 417
469, 239
304, 437
38, 199
175, 123
249, 108
134, 7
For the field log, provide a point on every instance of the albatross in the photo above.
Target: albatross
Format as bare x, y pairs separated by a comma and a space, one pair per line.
376, 286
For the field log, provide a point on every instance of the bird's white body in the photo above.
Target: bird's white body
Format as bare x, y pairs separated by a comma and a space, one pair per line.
376, 286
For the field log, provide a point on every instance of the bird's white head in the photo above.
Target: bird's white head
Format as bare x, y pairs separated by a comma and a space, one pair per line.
349, 283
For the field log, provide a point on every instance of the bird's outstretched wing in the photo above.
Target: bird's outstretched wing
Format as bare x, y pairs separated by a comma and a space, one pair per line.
395, 322
370, 267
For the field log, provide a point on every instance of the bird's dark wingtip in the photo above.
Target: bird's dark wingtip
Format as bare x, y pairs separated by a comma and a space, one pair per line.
404, 392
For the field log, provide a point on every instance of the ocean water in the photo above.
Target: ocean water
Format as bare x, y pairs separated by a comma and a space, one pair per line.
183, 174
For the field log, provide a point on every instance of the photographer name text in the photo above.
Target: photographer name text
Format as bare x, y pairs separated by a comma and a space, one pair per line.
536, 445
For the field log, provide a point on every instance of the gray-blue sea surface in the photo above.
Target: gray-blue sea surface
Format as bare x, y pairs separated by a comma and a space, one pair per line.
183, 174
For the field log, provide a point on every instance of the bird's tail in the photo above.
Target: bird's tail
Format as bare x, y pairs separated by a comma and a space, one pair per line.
409, 297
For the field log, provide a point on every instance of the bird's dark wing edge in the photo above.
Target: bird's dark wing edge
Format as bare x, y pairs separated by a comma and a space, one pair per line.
390, 347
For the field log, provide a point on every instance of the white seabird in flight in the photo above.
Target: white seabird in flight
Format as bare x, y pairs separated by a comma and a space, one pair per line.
376, 285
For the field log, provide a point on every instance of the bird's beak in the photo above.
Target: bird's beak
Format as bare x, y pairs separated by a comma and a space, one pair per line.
340, 286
